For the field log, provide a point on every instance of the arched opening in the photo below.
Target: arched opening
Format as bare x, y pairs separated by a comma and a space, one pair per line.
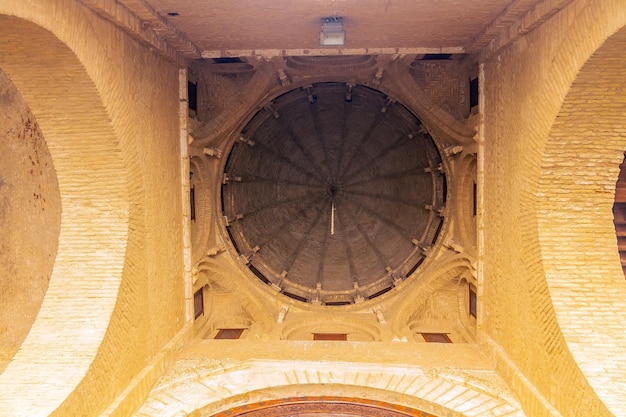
88, 266
576, 227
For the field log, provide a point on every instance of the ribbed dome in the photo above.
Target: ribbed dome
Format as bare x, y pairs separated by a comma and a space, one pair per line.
333, 192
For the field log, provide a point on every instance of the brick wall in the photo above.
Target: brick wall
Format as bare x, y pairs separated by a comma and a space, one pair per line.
575, 220
108, 110
538, 270
30, 207
443, 379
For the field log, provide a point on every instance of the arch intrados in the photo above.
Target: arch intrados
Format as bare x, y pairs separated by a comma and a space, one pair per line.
578, 242
75, 312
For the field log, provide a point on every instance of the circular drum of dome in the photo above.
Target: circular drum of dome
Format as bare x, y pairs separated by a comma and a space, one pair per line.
333, 193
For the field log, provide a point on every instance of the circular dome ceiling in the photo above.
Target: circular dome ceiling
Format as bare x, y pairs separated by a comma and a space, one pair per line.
333, 193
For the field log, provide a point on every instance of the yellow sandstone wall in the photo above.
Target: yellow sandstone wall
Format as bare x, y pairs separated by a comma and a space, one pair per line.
552, 280
108, 110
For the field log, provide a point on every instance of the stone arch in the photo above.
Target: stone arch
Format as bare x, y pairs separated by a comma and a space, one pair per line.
444, 274
202, 223
520, 211
87, 272
199, 390
440, 122
248, 308
466, 204
575, 222
466, 281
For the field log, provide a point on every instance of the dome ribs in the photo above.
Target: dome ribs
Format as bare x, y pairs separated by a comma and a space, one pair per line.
411, 172
379, 255
274, 233
406, 234
346, 244
384, 197
294, 254
276, 203
375, 122
284, 158
322, 261
320, 137
298, 143
347, 111
395, 145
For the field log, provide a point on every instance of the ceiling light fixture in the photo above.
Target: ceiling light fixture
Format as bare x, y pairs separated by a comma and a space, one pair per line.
332, 32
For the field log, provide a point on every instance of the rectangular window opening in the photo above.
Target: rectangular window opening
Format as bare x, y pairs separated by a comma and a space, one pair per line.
436, 57
472, 301
232, 239
227, 60
295, 297
192, 96
330, 336
198, 303
417, 264
338, 303
229, 333
475, 199
259, 274
436, 337
381, 292
473, 90
192, 203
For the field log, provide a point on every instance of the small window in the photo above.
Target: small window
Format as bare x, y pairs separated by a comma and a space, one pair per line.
192, 203
198, 303
473, 90
436, 57
472, 301
229, 333
475, 199
295, 297
436, 338
330, 336
385, 290
227, 60
259, 274
192, 96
